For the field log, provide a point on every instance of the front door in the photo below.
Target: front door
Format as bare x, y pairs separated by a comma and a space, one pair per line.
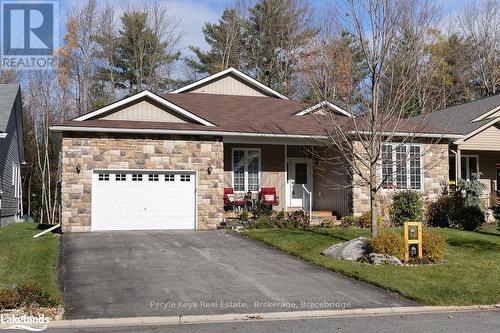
299, 181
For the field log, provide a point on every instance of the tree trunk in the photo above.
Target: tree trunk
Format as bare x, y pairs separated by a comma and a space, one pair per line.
373, 200
373, 210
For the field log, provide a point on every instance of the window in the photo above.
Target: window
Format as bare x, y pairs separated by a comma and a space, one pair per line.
387, 167
468, 164
185, 178
153, 178
301, 173
121, 177
136, 177
103, 176
169, 178
401, 166
246, 170
239, 170
415, 168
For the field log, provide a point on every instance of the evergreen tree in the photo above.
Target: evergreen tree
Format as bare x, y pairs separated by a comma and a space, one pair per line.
225, 41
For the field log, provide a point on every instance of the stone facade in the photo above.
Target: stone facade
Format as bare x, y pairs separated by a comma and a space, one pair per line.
103, 151
436, 175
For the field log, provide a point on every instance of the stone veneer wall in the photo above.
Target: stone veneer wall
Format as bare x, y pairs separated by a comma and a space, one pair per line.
138, 152
436, 176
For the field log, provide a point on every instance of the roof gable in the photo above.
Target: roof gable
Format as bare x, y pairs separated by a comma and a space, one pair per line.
323, 105
122, 110
230, 82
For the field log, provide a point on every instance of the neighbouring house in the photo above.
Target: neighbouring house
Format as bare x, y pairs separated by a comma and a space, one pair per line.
11, 153
163, 161
478, 150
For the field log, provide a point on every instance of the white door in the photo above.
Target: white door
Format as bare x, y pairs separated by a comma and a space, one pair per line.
299, 177
142, 200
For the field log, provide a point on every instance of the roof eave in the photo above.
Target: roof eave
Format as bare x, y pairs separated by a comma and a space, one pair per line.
63, 128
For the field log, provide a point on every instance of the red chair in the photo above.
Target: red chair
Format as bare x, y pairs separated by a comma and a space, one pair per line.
230, 201
268, 196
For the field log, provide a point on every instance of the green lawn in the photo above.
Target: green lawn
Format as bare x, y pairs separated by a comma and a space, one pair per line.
469, 275
23, 258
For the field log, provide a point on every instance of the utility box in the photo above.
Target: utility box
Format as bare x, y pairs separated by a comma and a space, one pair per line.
413, 240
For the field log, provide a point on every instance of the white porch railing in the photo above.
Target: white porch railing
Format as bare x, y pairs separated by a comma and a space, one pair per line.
307, 201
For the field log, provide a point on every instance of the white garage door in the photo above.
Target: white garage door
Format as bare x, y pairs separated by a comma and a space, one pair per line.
133, 200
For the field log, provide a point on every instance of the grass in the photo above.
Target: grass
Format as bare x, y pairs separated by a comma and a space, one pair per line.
469, 274
24, 258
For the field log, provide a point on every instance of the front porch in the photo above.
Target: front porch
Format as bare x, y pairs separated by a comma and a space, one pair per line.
299, 178
484, 162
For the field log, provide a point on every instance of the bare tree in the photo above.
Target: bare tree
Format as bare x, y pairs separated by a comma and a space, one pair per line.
384, 30
480, 22
77, 56
41, 109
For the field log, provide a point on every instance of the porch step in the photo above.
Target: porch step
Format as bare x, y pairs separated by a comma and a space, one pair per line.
322, 214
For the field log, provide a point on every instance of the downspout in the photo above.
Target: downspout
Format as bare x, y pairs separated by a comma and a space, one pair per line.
458, 165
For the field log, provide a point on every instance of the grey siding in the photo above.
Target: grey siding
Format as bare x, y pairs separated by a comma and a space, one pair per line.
9, 156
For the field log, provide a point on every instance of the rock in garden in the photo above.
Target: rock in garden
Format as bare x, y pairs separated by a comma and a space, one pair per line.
352, 250
379, 259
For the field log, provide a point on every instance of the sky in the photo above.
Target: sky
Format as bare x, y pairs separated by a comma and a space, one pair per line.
195, 13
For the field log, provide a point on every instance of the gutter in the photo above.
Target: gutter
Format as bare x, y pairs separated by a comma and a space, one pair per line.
183, 132
417, 135
59, 128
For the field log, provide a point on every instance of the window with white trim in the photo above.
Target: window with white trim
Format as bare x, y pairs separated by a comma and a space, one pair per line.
402, 166
153, 177
169, 178
136, 177
246, 169
185, 178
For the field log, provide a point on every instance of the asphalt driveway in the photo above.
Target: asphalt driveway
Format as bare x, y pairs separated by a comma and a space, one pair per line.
154, 273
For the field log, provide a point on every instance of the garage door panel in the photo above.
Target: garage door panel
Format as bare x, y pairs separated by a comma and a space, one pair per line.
122, 201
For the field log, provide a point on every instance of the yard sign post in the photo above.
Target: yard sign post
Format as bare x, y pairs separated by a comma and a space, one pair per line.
413, 239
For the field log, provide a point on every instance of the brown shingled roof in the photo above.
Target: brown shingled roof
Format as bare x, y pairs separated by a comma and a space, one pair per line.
246, 114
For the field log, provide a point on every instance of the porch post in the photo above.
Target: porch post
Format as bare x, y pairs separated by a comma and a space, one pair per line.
458, 164
286, 178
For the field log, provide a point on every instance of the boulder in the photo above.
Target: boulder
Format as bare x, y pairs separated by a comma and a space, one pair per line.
352, 250
379, 259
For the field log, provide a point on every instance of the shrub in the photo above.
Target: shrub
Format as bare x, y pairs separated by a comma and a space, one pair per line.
365, 220
33, 293
9, 298
245, 215
349, 221
471, 191
406, 206
264, 221
441, 212
298, 219
432, 247
390, 243
469, 218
